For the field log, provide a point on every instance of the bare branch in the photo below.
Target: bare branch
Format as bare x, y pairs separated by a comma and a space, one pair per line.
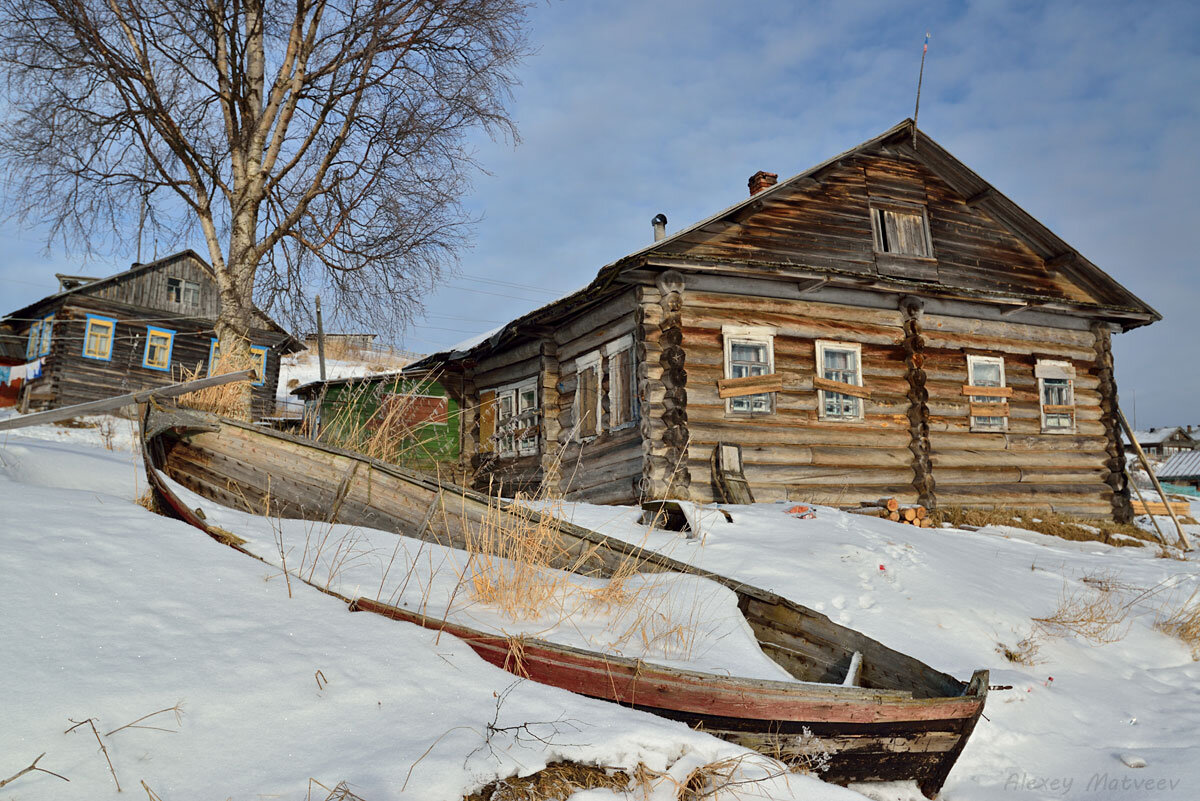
32, 766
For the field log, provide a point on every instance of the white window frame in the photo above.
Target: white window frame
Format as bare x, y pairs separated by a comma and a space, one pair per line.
190, 294
508, 444
753, 335
973, 360
1062, 370
589, 361
822, 346
633, 412
902, 208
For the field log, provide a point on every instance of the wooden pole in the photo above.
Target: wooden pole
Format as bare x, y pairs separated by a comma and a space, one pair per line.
320, 339
1162, 538
114, 403
1187, 546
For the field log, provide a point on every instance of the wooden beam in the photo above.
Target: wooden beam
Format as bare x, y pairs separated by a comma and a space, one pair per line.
842, 389
989, 409
979, 197
1063, 260
1187, 545
114, 403
1018, 309
988, 392
811, 285
750, 385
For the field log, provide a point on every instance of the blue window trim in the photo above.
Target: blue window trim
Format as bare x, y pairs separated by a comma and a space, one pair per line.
264, 352
46, 338
170, 348
87, 330
213, 342
34, 340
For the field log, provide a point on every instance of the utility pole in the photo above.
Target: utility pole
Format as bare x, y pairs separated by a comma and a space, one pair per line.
320, 339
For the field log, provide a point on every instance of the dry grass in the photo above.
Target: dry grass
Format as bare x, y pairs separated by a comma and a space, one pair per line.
558, 780
226, 400
1026, 651
76, 422
1182, 620
1055, 524
1095, 615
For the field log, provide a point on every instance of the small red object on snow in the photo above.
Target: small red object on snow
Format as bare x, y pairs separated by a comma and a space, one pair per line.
801, 511
881, 567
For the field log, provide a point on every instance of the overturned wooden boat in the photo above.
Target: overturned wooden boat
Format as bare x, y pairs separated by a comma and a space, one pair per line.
865, 712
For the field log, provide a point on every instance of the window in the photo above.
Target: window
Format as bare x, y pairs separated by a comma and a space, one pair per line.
98, 337
35, 339
622, 383
1056, 386
515, 420
258, 358
174, 290
214, 354
840, 362
902, 230
987, 371
587, 396
749, 351
159, 342
191, 293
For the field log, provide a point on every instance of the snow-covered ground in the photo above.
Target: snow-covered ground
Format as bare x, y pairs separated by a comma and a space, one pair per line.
112, 613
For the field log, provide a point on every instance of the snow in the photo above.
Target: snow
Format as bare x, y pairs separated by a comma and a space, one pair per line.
110, 612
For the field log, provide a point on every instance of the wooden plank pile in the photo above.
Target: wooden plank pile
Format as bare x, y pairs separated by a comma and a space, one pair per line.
890, 509
1160, 508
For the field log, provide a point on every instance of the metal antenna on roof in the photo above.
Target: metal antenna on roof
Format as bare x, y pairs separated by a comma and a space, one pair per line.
920, 77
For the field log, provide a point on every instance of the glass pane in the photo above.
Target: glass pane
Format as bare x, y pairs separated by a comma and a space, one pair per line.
746, 352
986, 374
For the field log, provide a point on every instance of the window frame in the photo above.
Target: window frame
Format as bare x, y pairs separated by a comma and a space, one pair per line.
174, 289
151, 333
34, 340
878, 234
507, 445
214, 353
631, 413
821, 346
753, 335
261, 352
105, 322
194, 288
46, 337
975, 425
1067, 370
589, 362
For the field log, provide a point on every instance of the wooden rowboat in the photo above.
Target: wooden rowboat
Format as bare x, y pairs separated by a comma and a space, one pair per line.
900, 720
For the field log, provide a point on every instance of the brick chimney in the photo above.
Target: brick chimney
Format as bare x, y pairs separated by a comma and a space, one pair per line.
761, 180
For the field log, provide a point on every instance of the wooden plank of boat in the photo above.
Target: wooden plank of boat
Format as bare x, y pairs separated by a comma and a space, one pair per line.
905, 721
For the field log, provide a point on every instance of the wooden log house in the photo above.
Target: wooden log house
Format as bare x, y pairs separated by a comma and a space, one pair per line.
886, 323
137, 329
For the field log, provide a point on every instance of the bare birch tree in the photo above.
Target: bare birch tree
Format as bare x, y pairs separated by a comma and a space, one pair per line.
312, 142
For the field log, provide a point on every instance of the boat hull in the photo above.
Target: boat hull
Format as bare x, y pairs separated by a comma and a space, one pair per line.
905, 722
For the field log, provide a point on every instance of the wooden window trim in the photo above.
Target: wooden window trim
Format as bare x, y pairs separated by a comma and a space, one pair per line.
214, 353
974, 399
875, 206
521, 445
33, 343
1056, 369
590, 361
260, 352
823, 345
152, 333
97, 321
45, 338
754, 335
632, 412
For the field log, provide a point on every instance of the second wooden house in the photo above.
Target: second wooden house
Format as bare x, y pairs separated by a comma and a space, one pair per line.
144, 327
886, 323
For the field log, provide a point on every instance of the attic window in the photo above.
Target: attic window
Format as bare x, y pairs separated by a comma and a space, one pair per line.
902, 230
181, 291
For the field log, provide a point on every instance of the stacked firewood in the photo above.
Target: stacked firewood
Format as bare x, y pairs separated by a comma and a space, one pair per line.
890, 509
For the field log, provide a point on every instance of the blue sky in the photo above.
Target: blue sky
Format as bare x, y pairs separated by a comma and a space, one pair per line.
1086, 114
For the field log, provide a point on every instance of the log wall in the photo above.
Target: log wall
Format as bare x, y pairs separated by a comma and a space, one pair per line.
1021, 467
791, 453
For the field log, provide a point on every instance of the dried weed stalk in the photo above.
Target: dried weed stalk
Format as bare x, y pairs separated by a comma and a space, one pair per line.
1182, 621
